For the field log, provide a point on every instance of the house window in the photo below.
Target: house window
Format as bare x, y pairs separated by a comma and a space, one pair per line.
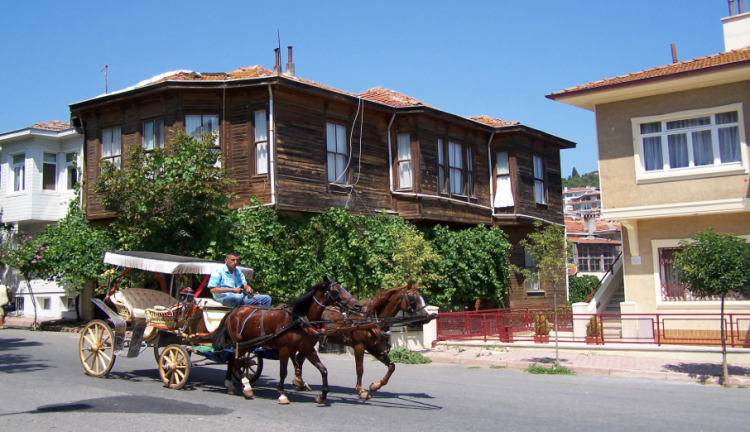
540, 192
196, 125
261, 143
18, 171
49, 171
455, 168
44, 303
681, 145
404, 161
503, 190
111, 148
441, 167
673, 290
70, 170
153, 134
532, 281
595, 257
336, 153
68, 303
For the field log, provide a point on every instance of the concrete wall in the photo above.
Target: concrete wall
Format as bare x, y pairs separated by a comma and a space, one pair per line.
641, 281
616, 150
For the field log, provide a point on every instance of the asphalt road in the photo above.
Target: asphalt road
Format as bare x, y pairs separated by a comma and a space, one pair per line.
43, 387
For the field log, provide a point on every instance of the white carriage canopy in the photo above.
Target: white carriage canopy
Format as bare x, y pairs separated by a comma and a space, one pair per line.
165, 263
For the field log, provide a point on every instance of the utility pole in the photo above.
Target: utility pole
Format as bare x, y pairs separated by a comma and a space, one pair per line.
105, 70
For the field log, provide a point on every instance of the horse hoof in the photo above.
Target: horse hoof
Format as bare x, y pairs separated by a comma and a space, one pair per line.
232, 392
301, 385
374, 387
364, 395
283, 400
320, 400
248, 394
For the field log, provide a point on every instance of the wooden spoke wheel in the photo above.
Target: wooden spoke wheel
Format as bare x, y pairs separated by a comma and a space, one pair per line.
95, 348
174, 366
249, 366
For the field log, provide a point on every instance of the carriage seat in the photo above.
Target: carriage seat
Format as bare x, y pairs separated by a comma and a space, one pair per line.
132, 302
213, 312
208, 302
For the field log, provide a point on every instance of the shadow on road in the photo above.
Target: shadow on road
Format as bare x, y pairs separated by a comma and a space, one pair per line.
705, 371
128, 404
16, 363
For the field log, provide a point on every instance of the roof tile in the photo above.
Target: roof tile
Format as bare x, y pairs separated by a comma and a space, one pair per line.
697, 64
492, 121
53, 125
390, 97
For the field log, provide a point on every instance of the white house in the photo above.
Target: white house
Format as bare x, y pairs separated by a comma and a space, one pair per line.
37, 174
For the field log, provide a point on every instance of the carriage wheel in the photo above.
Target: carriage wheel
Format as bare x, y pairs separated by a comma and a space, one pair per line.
250, 365
95, 348
174, 366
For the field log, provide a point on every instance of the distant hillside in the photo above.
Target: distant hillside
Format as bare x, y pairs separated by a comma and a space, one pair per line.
575, 180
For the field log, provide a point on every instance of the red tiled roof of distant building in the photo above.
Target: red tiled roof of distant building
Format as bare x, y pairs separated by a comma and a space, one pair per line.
594, 241
53, 125
390, 97
695, 65
492, 121
574, 226
608, 226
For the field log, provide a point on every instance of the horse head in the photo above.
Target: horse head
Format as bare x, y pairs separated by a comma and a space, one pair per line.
412, 301
336, 295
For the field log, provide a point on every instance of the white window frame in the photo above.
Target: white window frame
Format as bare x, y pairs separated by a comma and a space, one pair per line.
54, 175
70, 169
531, 282
442, 186
216, 147
404, 157
156, 136
261, 143
337, 154
13, 187
111, 133
456, 168
539, 178
690, 172
503, 181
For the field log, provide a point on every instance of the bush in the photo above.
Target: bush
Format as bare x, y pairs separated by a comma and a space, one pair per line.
403, 355
593, 328
554, 370
580, 287
541, 325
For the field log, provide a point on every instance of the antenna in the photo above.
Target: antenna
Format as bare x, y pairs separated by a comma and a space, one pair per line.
278, 35
106, 85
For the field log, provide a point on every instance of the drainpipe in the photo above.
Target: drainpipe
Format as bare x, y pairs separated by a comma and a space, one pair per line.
390, 158
272, 147
489, 165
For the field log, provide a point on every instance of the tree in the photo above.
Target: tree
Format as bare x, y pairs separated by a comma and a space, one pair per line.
549, 249
575, 173
590, 179
712, 264
171, 200
580, 287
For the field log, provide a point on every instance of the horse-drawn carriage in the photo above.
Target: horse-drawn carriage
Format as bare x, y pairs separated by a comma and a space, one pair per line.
177, 323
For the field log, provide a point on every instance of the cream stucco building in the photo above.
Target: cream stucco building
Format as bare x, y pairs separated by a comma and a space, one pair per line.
673, 160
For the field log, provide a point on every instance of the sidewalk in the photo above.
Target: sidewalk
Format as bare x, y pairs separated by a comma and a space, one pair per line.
24, 322
672, 365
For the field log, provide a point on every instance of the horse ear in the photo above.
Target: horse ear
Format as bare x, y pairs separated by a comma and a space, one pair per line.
409, 284
325, 279
415, 288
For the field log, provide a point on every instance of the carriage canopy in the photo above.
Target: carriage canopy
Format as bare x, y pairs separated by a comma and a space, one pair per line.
165, 263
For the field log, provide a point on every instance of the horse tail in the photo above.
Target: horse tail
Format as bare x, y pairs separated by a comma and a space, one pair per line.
221, 339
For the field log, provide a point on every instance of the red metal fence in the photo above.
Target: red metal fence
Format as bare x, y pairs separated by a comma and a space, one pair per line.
517, 325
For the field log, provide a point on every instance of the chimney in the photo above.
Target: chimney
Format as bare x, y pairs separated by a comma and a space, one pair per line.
736, 26
277, 66
289, 64
674, 53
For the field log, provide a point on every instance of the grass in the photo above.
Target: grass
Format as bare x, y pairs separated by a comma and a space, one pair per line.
403, 355
497, 366
554, 370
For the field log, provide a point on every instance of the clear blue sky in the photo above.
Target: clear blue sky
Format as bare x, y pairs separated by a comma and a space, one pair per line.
498, 58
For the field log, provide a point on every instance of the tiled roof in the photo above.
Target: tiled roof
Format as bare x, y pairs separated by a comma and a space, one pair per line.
390, 97
601, 225
594, 241
695, 65
53, 125
492, 121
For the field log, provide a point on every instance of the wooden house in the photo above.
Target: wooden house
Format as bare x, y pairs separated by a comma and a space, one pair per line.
303, 147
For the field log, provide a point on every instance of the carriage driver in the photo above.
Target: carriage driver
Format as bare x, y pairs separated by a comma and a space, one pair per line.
228, 286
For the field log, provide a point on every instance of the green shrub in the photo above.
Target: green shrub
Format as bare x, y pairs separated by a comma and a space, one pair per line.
403, 355
541, 325
580, 287
593, 328
543, 370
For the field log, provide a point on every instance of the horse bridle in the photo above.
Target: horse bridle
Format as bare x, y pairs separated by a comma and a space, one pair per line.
411, 302
344, 307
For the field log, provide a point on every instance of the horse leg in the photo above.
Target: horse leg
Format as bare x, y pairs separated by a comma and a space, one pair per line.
383, 357
247, 389
359, 357
283, 363
298, 382
228, 383
315, 360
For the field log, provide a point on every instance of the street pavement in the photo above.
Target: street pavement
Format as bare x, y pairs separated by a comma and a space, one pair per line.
43, 387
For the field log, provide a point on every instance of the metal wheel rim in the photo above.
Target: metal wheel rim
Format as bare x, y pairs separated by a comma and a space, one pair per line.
174, 366
95, 349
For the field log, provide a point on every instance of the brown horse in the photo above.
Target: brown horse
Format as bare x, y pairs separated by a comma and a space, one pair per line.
375, 341
295, 333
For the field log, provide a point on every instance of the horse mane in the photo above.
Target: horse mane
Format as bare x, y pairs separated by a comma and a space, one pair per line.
301, 304
382, 298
